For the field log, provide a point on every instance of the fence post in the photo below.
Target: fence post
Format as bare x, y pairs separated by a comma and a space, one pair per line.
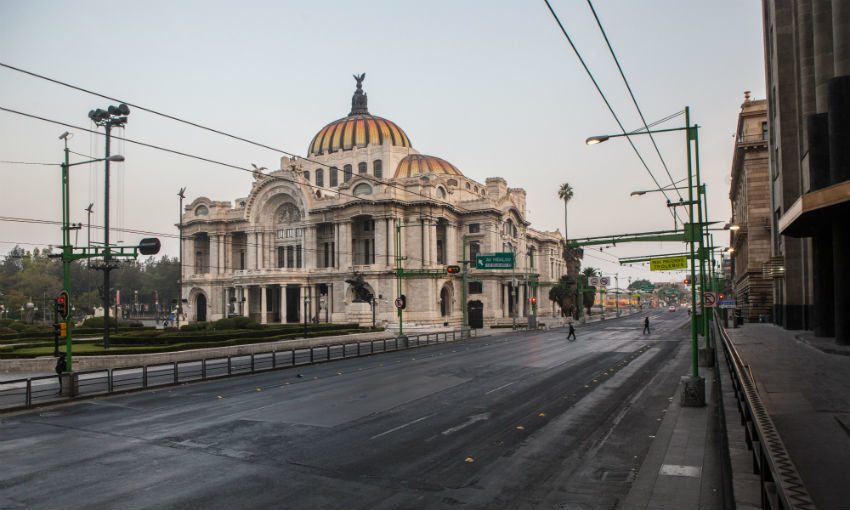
311, 355
292, 352
274, 358
28, 397
176, 373
328, 358
229, 372
252, 362
204, 369
109, 382
145, 376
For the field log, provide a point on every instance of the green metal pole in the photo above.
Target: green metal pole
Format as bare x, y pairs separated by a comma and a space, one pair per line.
463, 289
399, 273
580, 298
532, 282
703, 231
694, 344
66, 255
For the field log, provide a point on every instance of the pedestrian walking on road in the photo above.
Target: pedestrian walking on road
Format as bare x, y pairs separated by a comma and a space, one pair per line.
646, 330
572, 333
61, 366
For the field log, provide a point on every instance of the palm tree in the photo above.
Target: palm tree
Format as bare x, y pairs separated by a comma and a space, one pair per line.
565, 193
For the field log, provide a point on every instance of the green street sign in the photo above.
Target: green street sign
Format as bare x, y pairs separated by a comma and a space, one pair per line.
503, 260
668, 263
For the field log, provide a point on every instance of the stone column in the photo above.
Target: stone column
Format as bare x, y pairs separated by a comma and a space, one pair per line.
381, 242
246, 306
214, 251
390, 228
283, 303
452, 254
311, 253
189, 255
432, 240
505, 297
343, 244
263, 305
251, 250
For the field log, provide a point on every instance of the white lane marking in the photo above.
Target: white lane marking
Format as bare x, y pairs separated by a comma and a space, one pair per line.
678, 470
472, 419
500, 387
401, 426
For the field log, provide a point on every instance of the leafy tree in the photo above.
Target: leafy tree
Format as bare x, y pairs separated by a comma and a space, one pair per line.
563, 294
639, 284
589, 296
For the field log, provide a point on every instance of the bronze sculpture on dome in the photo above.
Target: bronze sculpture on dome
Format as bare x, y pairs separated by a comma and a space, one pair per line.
358, 100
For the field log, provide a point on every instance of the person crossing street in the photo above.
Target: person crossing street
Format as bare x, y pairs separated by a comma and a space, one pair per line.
646, 330
572, 333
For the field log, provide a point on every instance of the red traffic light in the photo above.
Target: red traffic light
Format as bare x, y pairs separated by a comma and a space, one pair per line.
453, 269
532, 300
62, 304
720, 295
687, 281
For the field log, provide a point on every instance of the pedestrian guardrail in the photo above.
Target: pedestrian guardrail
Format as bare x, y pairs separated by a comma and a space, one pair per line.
35, 391
781, 485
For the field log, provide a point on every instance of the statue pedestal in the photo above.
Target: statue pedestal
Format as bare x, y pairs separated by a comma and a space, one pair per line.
359, 312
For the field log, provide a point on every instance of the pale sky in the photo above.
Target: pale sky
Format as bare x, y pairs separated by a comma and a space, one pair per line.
492, 87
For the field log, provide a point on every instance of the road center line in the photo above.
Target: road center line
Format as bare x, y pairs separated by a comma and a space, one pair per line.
500, 387
401, 426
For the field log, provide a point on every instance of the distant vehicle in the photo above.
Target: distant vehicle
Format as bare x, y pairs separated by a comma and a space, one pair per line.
671, 308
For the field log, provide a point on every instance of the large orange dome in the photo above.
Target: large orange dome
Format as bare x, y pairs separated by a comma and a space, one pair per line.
358, 129
417, 164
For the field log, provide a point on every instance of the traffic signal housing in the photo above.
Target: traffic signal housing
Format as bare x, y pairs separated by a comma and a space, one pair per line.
687, 281
62, 304
532, 300
453, 269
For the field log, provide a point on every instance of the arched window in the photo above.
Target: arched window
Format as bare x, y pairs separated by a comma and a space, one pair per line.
307, 175
346, 173
334, 176
362, 189
362, 168
202, 210
476, 189
468, 186
441, 193
320, 177
378, 169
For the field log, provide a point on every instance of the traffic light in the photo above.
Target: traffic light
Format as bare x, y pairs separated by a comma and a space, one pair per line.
453, 269
60, 330
62, 305
720, 295
532, 300
687, 281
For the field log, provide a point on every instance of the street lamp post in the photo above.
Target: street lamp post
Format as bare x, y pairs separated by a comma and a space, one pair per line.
693, 394
182, 195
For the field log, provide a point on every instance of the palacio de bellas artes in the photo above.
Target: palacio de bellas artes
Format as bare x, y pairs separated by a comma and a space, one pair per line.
363, 219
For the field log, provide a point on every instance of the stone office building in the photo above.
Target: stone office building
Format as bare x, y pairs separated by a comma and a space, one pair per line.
807, 57
310, 234
750, 196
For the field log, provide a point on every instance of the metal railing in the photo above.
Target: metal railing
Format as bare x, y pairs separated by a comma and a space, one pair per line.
781, 484
34, 391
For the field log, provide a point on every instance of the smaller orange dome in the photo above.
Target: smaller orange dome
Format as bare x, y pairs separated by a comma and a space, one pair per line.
417, 164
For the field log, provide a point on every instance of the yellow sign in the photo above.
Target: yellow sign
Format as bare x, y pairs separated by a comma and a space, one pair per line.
668, 263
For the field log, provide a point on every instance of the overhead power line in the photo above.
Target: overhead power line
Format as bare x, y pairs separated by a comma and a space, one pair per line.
631, 94
607, 103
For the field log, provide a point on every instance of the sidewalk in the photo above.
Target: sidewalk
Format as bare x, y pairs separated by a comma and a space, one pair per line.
806, 392
682, 468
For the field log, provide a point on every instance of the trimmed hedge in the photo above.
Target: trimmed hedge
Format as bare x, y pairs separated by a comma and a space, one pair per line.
97, 322
151, 349
167, 337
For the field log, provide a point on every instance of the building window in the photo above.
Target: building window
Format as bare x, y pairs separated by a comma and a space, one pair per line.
307, 175
290, 257
441, 193
474, 250
468, 186
362, 168
362, 189
378, 168
202, 210
441, 255
298, 256
320, 177
474, 228
764, 130
346, 173
242, 259
369, 251
476, 287
334, 176
281, 253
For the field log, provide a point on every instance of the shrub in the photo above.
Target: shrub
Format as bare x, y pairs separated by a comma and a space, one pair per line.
97, 322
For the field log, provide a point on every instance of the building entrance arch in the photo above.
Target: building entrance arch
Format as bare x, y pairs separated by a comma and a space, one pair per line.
475, 311
201, 308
